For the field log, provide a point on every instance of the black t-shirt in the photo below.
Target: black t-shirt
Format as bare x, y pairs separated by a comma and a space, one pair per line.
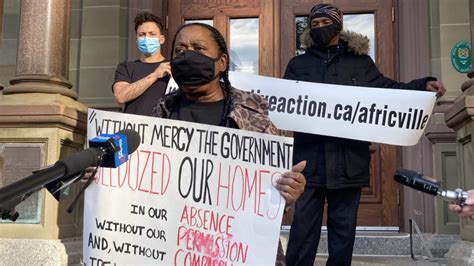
204, 113
133, 71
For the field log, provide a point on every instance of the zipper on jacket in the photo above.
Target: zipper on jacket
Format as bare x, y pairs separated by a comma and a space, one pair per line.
354, 81
329, 59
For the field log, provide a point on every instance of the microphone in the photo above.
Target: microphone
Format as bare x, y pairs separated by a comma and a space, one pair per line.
430, 186
107, 150
114, 146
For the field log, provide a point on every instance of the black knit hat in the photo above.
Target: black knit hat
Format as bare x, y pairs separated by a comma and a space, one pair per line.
326, 10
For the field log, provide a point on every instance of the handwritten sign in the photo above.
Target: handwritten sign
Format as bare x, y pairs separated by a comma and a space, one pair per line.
191, 194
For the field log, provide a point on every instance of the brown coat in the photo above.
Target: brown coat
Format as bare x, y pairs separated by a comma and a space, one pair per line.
248, 111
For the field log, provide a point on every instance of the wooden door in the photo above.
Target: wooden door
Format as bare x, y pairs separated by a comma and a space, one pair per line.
222, 13
379, 203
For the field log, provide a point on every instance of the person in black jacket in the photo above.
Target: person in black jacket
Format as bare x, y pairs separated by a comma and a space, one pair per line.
337, 168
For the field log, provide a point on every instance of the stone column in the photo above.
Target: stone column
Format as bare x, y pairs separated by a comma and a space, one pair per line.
43, 49
414, 52
41, 122
460, 117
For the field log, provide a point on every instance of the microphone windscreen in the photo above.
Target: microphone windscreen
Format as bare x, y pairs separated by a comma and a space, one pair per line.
79, 161
133, 139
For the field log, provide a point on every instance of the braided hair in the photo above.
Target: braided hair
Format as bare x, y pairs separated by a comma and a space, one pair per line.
224, 76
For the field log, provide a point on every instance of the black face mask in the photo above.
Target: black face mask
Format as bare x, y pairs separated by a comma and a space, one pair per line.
193, 68
323, 35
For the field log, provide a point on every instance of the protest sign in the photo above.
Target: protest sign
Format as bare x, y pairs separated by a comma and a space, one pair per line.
391, 116
191, 194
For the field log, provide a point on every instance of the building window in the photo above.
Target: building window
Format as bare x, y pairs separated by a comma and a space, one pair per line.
244, 43
209, 22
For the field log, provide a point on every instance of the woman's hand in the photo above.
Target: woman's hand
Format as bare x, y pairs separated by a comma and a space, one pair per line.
87, 174
291, 184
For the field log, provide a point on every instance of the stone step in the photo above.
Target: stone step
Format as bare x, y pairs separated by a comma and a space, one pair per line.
385, 260
374, 243
371, 248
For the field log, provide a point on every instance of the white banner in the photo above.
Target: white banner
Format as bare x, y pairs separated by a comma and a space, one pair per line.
191, 194
391, 116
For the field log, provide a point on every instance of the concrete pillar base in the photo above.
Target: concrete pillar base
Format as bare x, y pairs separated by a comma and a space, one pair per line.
41, 252
45, 127
461, 253
35, 86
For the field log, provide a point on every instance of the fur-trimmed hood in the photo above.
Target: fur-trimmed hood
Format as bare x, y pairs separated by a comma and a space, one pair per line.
356, 42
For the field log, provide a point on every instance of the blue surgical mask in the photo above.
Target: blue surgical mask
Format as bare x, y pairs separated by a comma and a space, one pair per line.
148, 46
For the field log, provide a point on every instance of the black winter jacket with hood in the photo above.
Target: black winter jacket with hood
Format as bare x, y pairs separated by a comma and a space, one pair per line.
337, 163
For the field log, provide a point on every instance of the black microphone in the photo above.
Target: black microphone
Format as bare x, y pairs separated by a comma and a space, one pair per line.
108, 151
430, 186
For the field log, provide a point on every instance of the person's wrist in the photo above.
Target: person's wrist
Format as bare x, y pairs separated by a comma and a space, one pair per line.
155, 75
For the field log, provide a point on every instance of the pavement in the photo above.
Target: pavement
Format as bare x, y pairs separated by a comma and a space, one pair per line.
384, 261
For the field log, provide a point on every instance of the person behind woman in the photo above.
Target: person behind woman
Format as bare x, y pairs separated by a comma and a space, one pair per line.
140, 83
200, 65
337, 168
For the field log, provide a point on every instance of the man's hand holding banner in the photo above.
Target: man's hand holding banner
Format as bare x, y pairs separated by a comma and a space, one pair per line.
390, 116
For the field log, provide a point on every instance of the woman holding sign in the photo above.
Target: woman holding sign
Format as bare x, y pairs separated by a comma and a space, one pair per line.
200, 67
